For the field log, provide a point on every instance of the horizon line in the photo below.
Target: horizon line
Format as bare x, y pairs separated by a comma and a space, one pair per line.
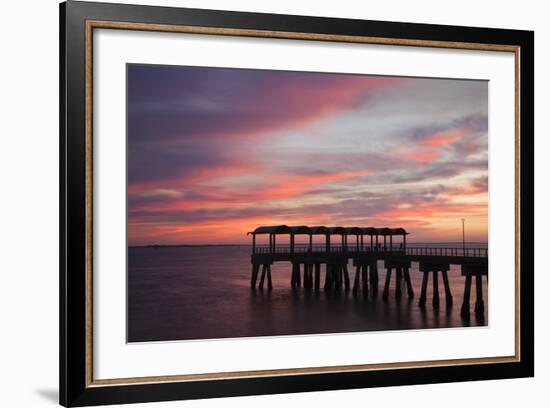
235, 244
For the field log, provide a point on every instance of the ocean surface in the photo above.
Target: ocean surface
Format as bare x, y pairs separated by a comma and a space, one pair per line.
182, 293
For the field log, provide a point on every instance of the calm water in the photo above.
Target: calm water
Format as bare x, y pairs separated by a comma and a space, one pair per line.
204, 292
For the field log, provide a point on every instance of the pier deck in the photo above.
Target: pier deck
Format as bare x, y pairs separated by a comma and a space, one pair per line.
319, 254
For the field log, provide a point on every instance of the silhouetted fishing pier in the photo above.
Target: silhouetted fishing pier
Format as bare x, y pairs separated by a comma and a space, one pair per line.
365, 247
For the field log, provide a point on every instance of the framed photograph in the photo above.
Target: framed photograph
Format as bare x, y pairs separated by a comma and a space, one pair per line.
256, 203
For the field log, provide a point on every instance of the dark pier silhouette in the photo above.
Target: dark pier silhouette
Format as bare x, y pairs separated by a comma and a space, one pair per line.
365, 247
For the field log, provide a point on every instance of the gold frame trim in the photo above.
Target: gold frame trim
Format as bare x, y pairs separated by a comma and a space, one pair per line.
100, 24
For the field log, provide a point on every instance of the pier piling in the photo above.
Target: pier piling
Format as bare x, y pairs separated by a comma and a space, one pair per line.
387, 283
317, 275
422, 300
470, 271
401, 267
328, 279
398, 282
465, 309
448, 294
373, 276
435, 296
254, 278
367, 272
264, 268
346, 276
480, 306
410, 291
357, 278
269, 283
307, 276
435, 268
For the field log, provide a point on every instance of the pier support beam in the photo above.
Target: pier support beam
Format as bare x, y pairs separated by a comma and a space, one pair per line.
317, 276
266, 271
254, 277
480, 306
296, 278
373, 275
407, 276
337, 276
398, 281
470, 271
422, 300
448, 294
435, 268
361, 278
401, 267
465, 309
387, 283
435, 295
346, 276
357, 278
340, 276
269, 282
308, 276
366, 272
328, 277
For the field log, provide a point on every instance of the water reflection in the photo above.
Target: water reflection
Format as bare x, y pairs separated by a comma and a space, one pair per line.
188, 293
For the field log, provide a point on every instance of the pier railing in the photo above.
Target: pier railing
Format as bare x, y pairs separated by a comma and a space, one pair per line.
411, 251
319, 248
435, 251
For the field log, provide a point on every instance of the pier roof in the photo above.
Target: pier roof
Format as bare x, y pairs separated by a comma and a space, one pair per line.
301, 229
383, 231
336, 230
322, 230
276, 229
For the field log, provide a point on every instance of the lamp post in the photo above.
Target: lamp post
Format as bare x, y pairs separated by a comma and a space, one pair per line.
463, 241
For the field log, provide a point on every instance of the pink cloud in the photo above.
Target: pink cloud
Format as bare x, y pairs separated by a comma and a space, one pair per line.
274, 187
429, 147
443, 138
422, 156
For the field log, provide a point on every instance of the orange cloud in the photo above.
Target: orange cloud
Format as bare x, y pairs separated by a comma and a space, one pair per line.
194, 176
443, 138
278, 187
431, 211
296, 185
220, 231
430, 146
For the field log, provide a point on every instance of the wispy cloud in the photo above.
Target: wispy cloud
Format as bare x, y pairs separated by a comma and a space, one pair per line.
215, 152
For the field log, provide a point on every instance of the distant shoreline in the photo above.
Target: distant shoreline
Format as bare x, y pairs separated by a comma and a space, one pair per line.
185, 245
304, 244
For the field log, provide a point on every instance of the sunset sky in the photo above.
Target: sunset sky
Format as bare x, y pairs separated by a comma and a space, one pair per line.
214, 153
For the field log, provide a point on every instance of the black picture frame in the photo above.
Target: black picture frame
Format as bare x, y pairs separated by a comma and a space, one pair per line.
75, 387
